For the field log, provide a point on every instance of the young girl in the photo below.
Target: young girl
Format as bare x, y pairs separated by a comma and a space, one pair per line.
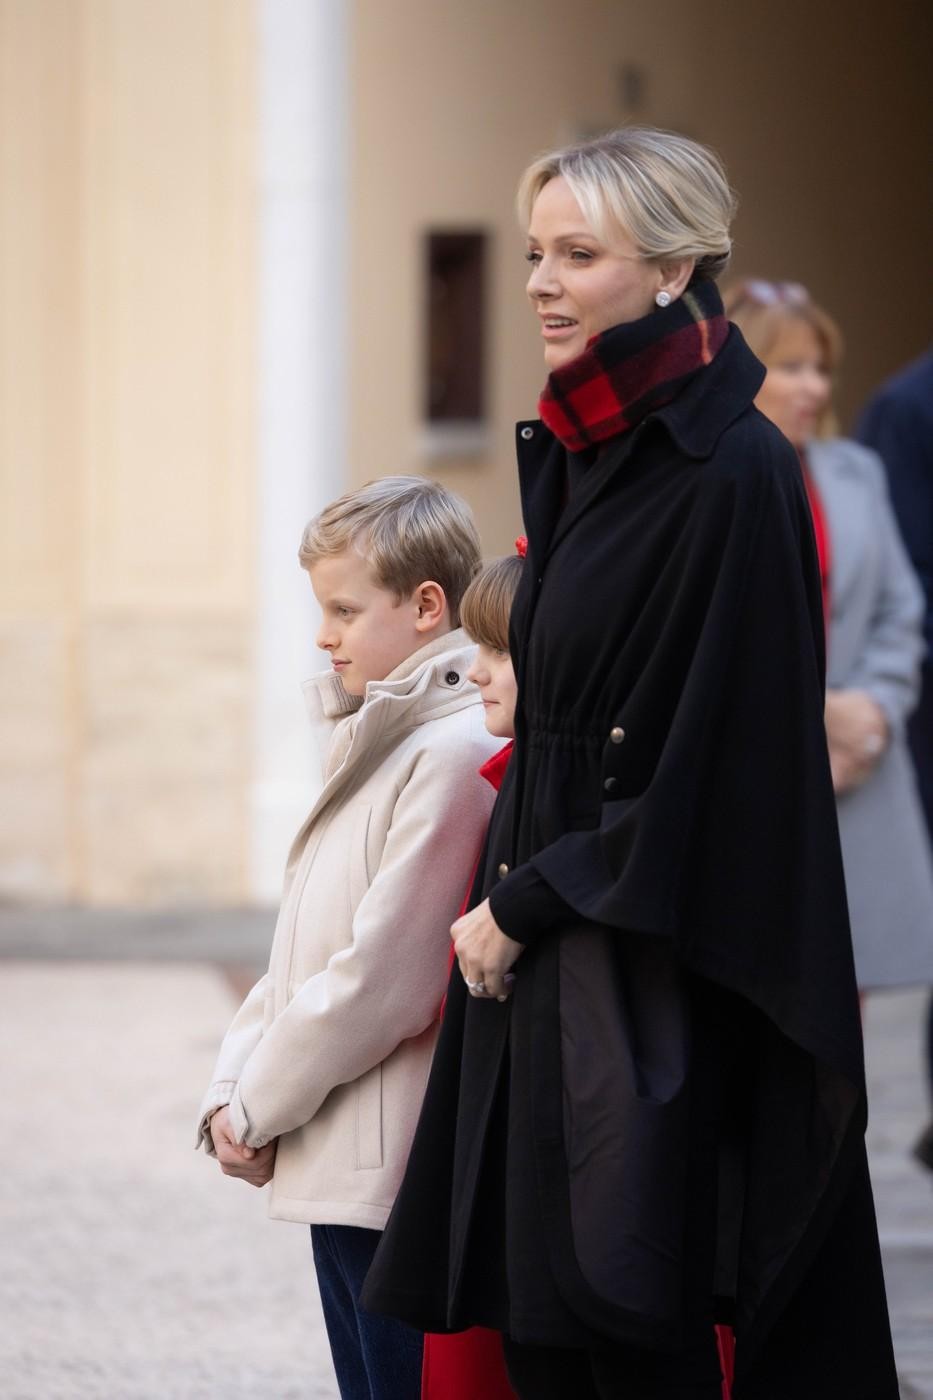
485, 618
464, 1365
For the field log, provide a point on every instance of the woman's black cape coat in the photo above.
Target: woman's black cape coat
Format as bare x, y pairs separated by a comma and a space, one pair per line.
665, 846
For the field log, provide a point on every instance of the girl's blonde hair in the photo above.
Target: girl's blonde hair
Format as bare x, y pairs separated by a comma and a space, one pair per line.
668, 193
762, 309
408, 529
487, 603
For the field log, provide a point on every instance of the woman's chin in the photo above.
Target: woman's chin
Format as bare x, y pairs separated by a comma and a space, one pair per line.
556, 356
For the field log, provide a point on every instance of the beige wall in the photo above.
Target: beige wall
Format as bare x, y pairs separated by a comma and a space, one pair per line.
447, 107
818, 111
39, 413
824, 116
126, 456
128, 378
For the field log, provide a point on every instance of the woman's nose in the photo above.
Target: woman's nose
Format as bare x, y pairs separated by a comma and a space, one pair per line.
816, 386
477, 674
324, 641
542, 281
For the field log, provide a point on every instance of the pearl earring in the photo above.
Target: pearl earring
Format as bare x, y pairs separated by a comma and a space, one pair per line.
663, 298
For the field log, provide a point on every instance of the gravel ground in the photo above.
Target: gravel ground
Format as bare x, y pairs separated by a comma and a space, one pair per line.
133, 1270
898, 1107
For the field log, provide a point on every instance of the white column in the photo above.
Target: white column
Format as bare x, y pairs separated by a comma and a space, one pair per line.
303, 230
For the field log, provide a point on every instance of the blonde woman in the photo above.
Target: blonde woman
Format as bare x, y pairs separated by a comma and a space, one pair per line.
661, 1126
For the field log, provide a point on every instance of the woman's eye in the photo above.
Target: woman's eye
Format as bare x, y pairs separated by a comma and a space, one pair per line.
501, 654
580, 255
344, 612
533, 256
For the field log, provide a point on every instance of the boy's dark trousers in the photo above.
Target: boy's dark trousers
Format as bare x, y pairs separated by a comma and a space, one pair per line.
375, 1358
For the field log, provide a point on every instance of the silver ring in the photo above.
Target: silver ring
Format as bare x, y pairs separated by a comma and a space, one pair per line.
476, 988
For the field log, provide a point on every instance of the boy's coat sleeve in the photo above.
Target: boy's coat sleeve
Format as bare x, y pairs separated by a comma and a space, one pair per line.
387, 984
238, 1044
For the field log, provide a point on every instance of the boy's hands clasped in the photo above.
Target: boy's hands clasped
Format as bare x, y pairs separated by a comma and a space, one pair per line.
252, 1164
485, 953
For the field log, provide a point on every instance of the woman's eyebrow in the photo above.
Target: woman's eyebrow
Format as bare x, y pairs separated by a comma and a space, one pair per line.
568, 238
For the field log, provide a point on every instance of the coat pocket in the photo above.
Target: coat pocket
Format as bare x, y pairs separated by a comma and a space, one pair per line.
358, 868
369, 1120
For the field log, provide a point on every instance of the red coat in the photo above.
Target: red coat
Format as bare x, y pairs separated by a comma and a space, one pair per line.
465, 1365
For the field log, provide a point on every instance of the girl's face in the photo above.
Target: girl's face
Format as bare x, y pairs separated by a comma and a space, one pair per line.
492, 672
797, 386
578, 286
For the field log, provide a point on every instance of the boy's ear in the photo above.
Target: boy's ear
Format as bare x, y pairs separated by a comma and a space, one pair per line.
431, 602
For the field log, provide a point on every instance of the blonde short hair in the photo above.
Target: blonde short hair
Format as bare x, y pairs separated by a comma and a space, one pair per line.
668, 193
762, 309
408, 529
487, 603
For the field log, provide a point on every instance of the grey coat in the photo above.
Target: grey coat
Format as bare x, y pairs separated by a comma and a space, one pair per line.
876, 644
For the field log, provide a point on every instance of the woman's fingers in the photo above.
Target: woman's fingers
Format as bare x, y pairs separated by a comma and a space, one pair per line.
487, 982
474, 976
493, 983
484, 953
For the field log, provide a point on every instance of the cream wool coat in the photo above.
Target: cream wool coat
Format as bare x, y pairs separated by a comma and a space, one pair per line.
331, 1049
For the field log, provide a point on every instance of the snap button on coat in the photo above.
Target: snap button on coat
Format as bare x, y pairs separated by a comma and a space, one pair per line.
610, 783
452, 678
617, 735
503, 870
528, 433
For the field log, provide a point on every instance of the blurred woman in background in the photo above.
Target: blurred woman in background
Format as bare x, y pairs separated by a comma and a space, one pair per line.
874, 615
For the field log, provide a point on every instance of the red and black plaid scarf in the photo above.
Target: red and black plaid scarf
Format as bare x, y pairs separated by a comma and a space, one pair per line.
631, 369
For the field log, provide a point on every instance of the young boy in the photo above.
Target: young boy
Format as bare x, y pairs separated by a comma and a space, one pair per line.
321, 1075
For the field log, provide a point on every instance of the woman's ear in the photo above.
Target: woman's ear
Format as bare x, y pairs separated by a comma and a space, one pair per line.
675, 276
431, 601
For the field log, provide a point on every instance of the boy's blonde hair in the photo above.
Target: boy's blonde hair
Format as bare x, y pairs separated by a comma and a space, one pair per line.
487, 603
408, 529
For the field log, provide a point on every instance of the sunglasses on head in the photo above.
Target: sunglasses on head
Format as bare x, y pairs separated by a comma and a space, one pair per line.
774, 293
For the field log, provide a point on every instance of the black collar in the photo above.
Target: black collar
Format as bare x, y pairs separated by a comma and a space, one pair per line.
697, 418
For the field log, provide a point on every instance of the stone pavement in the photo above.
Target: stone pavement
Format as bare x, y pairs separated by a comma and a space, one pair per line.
898, 1106
133, 1270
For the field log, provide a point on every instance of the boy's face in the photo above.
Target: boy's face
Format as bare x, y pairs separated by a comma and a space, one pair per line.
492, 672
365, 628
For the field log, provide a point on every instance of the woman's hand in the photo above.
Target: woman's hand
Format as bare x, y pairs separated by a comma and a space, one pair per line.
857, 735
484, 952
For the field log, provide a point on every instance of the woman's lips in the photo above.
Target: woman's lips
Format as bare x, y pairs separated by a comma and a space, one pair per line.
558, 332
338, 665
